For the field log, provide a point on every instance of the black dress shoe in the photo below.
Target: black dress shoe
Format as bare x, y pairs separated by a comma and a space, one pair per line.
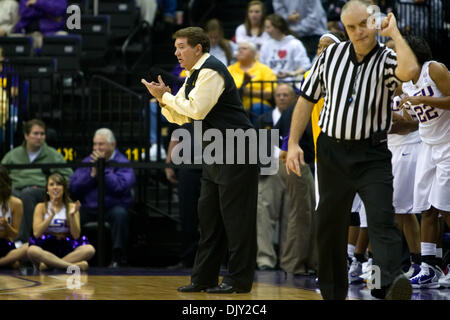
193, 287
226, 288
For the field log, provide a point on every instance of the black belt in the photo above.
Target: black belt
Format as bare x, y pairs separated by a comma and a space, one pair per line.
375, 139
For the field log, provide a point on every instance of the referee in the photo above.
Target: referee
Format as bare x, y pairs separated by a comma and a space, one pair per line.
358, 79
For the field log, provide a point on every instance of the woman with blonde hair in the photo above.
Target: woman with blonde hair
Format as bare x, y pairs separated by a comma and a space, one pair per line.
57, 240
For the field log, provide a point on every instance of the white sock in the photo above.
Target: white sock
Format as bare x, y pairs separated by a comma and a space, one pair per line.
428, 249
350, 250
438, 252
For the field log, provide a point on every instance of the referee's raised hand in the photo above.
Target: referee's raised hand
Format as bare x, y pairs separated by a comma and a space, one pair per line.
388, 26
295, 159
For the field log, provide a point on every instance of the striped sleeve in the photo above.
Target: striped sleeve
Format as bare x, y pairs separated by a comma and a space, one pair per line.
312, 88
390, 64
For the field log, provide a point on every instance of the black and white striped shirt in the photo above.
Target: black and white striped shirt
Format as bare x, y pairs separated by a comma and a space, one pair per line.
357, 95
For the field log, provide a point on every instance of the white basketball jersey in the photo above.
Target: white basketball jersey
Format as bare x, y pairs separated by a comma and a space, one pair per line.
434, 127
8, 216
59, 221
401, 139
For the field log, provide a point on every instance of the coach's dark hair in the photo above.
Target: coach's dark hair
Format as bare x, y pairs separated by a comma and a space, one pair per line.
195, 36
30, 123
420, 48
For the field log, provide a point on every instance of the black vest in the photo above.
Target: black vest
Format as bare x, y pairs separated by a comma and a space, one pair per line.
228, 113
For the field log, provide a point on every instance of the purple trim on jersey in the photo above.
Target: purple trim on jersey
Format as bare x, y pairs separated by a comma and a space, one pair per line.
61, 247
6, 246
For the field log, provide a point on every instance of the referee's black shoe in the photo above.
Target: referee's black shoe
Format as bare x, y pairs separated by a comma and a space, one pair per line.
226, 288
193, 287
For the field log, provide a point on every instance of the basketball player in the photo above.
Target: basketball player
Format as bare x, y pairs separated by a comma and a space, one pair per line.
428, 95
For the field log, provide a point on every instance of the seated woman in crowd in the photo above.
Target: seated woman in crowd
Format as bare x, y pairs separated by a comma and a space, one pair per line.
221, 48
253, 28
10, 218
56, 240
283, 53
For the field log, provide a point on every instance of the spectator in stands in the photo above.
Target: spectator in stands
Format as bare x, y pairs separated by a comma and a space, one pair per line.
253, 29
299, 255
283, 53
57, 240
273, 201
11, 210
168, 8
247, 72
29, 184
118, 187
221, 48
41, 17
9, 16
150, 8
421, 17
306, 18
8, 102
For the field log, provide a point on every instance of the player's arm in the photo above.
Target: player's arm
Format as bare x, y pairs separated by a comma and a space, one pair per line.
403, 125
407, 66
39, 223
440, 75
16, 211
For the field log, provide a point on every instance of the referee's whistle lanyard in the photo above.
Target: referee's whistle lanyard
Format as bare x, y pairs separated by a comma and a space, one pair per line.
355, 83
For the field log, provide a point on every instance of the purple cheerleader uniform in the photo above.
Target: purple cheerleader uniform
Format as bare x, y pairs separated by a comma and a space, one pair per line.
6, 246
49, 242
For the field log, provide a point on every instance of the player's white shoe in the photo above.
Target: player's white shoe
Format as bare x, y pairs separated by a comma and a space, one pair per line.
444, 281
426, 278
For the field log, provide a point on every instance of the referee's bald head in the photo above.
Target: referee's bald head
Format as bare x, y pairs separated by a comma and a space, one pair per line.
350, 4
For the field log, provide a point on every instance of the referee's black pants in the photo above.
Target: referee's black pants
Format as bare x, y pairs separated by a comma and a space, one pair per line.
344, 168
227, 220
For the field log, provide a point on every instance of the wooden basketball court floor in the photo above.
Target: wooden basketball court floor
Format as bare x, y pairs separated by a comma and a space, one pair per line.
160, 284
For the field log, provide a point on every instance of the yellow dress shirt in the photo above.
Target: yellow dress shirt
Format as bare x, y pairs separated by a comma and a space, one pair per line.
202, 98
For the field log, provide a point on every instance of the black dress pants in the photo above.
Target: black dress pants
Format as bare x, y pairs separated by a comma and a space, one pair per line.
227, 219
189, 182
344, 168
